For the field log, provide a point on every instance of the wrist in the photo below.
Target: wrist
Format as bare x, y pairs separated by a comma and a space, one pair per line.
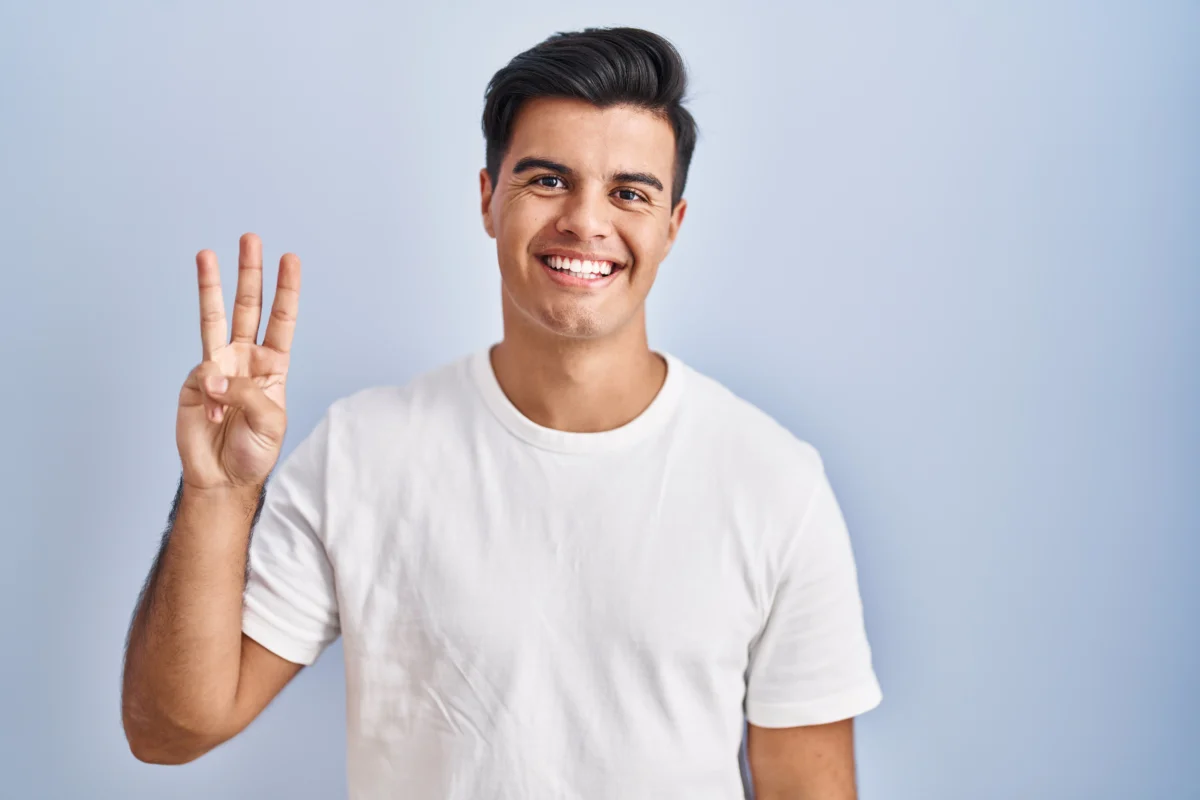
239, 501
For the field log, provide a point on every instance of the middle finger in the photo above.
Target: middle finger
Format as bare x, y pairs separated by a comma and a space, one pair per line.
247, 305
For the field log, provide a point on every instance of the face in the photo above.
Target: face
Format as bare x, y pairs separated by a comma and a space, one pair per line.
585, 183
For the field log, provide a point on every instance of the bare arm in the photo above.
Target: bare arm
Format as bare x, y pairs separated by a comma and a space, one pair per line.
810, 762
192, 679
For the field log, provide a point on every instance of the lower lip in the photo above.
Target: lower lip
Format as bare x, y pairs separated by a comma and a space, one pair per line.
567, 279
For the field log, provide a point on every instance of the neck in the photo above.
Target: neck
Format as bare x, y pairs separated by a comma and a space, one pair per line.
579, 385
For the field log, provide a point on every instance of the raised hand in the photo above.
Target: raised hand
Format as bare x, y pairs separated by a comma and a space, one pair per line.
231, 418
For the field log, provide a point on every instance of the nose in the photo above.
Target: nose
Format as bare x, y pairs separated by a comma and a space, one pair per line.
586, 214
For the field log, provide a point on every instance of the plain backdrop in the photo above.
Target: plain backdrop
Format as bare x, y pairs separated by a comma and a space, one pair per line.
956, 246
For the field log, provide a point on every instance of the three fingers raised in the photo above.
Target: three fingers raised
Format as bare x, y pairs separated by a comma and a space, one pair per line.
248, 303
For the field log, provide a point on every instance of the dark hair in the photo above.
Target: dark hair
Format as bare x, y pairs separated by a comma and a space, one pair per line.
605, 67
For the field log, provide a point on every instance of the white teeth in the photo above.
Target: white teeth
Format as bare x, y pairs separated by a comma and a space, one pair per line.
580, 269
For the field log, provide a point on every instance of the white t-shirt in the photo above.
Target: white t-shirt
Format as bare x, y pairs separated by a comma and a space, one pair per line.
530, 613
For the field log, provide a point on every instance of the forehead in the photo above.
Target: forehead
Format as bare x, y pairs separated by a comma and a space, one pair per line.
586, 137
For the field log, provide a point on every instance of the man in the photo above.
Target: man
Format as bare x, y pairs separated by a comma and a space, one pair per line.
565, 566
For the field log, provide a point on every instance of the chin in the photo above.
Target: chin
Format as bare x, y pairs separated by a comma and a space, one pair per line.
573, 323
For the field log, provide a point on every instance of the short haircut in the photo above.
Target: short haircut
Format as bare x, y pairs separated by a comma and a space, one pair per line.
603, 66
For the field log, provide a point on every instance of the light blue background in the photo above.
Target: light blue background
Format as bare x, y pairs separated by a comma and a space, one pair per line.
955, 246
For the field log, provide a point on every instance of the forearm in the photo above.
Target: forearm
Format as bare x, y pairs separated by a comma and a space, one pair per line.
184, 653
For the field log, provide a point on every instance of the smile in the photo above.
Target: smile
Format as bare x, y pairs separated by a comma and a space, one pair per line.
570, 272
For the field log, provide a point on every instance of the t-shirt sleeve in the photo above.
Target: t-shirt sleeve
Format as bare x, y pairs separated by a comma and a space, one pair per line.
290, 603
811, 664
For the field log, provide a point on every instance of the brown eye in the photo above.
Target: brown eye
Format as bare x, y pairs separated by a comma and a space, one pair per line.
635, 196
538, 181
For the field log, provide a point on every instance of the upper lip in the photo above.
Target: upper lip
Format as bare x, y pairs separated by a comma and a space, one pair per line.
575, 254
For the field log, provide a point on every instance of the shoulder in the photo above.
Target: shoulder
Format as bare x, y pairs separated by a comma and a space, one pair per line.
747, 442
427, 400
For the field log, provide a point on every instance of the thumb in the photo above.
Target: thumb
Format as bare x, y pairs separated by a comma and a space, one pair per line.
262, 414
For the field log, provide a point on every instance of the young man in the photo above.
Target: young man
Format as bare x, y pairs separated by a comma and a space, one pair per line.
565, 566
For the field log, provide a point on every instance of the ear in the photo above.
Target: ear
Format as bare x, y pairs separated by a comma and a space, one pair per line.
676, 220
485, 200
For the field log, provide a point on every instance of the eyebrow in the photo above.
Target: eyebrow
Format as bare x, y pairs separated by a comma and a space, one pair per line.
534, 162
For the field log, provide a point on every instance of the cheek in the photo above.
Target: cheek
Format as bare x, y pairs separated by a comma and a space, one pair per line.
645, 239
522, 218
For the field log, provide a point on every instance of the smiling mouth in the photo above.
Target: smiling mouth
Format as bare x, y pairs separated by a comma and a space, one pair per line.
581, 269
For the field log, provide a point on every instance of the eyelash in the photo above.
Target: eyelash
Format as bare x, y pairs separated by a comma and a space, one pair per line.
538, 180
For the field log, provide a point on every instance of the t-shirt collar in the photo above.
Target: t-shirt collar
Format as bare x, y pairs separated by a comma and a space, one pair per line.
652, 419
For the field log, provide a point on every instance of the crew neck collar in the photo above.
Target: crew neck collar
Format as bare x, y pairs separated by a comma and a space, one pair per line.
652, 419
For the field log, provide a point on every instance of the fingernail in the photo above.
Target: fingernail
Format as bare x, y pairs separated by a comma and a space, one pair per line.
217, 385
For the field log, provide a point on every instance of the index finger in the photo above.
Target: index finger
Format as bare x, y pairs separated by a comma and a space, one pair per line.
212, 304
282, 323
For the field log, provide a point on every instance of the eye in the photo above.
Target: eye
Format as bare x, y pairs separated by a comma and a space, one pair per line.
636, 196
539, 180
